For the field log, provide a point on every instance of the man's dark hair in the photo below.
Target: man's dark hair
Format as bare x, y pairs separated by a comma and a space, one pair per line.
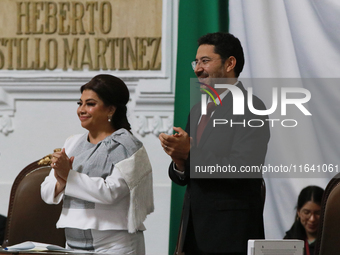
226, 45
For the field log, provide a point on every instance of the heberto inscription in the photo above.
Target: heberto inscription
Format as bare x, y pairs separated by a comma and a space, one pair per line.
80, 35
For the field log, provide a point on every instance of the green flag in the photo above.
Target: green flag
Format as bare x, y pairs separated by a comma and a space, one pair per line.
195, 18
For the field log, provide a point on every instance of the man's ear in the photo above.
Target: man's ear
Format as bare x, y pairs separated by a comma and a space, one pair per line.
230, 64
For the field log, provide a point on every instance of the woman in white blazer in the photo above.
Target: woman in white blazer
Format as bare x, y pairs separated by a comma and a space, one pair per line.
103, 177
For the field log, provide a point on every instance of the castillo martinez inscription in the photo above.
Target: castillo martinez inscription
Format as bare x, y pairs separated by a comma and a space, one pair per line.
80, 35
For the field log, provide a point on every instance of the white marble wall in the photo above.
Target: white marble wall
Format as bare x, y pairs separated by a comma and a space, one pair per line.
38, 112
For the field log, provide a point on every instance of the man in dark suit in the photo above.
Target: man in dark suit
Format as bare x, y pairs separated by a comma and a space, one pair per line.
220, 214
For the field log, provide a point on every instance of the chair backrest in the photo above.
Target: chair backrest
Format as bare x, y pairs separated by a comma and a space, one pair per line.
328, 231
29, 218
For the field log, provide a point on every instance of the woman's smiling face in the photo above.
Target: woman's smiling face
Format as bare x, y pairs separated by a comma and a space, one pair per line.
309, 216
92, 112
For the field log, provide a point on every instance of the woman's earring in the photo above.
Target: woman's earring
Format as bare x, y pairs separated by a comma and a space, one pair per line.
109, 118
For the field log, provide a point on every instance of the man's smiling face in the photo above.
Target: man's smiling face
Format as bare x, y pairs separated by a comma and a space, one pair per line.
208, 64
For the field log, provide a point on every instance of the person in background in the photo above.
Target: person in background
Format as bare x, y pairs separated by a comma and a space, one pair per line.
306, 223
103, 177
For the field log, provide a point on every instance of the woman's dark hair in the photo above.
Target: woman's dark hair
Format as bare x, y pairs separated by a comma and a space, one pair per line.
309, 193
113, 92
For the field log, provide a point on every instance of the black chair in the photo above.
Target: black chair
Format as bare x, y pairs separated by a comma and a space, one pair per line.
29, 218
328, 240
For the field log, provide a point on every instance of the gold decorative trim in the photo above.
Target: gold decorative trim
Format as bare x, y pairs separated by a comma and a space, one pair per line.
47, 160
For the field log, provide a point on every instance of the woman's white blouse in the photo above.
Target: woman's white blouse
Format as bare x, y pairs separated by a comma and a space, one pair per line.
111, 197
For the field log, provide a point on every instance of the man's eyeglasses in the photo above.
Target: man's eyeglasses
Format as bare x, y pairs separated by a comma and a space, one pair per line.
203, 62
